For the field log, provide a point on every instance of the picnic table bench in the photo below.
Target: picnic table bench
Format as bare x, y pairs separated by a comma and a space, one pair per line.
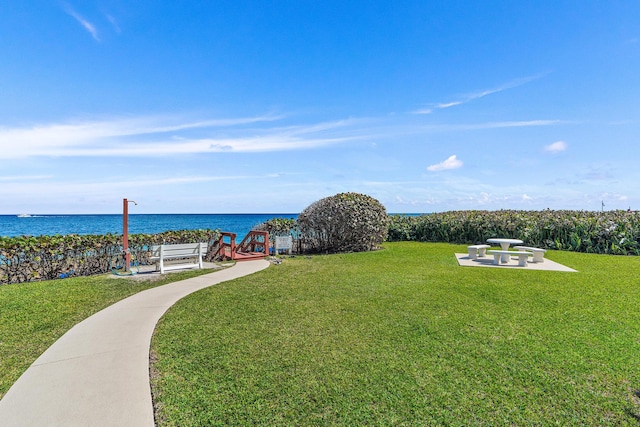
476, 251
181, 251
538, 254
522, 256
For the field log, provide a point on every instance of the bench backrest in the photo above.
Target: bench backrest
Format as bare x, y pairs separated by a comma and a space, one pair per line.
180, 249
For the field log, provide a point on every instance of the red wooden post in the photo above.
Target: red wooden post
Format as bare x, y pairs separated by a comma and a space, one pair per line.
233, 245
125, 232
266, 243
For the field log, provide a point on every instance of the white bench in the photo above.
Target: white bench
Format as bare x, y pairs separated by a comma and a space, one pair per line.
162, 253
538, 254
522, 256
476, 251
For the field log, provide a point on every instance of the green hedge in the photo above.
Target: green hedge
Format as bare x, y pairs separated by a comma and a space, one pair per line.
610, 232
279, 227
27, 258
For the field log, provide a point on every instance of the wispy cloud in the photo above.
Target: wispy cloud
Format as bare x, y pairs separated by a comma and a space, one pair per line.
512, 124
91, 28
162, 136
451, 163
110, 187
490, 125
425, 110
477, 95
153, 136
598, 174
556, 147
113, 22
22, 178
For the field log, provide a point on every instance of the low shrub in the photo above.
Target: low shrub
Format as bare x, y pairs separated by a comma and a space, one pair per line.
402, 228
28, 258
609, 232
346, 222
279, 227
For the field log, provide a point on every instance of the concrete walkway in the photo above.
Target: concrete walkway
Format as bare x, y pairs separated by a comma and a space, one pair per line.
97, 374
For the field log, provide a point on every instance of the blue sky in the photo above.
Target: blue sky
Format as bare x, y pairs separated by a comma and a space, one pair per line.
266, 106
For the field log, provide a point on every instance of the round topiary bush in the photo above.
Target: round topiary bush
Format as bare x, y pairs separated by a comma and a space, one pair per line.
346, 222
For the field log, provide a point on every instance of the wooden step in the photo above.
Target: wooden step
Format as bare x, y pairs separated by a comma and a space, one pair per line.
248, 256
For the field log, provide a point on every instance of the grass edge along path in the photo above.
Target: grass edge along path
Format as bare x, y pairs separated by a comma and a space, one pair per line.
34, 315
404, 336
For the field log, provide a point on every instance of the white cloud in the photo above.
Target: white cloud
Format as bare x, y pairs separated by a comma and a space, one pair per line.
451, 104
487, 125
22, 178
451, 163
479, 94
556, 147
113, 22
614, 196
525, 123
111, 185
162, 136
83, 22
483, 199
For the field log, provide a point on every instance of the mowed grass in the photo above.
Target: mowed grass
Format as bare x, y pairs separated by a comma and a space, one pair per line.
34, 315
404, 336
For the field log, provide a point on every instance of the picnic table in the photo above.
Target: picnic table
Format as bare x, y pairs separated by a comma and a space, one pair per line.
504, 244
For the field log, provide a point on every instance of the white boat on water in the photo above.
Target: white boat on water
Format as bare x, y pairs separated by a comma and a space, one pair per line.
24, 216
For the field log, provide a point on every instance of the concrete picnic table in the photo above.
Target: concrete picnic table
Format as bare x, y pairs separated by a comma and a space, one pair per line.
504, 244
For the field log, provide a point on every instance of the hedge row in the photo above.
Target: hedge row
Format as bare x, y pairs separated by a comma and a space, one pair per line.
609, 232
26, 258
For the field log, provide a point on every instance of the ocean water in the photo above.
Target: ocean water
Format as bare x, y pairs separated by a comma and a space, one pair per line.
49, 225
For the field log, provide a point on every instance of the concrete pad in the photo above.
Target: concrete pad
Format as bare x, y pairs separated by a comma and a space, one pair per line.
487, 261
97, 374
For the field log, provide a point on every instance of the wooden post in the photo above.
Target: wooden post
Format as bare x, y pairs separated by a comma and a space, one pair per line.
233, 245
125, 233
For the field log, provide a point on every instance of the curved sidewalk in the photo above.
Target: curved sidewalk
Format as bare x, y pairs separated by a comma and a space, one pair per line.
97, 374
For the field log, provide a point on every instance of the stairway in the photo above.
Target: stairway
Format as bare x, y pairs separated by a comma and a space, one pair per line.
255, 245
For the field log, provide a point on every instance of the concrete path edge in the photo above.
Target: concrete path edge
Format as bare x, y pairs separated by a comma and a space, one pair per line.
97, 374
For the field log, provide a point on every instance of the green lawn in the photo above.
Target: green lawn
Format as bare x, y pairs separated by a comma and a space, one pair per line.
34, 315
404, 336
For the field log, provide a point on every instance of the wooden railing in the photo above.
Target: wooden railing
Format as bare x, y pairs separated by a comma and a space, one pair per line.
225, 247
255, 242
254, 246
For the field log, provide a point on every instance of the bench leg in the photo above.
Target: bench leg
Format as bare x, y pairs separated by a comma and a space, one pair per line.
538, 257
482, 252
473, 253
161, 260
496, 259
522, 260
